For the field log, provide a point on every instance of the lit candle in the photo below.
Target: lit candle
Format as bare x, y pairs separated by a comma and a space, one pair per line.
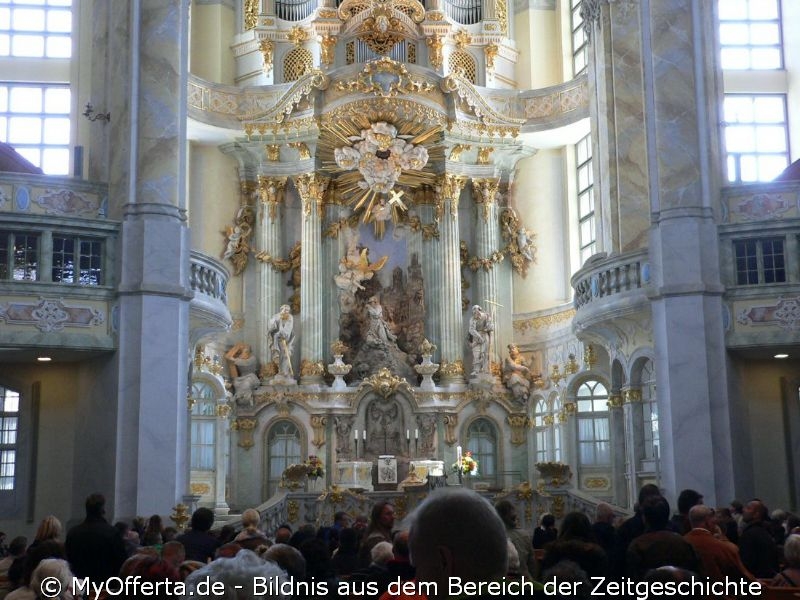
458, 457
364, 435
416, 434
408, 434
355, 434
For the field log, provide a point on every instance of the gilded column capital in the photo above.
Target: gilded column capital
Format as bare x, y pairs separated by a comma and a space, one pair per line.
312, 188
485, 190
615, 401
270, 192
434, 43
450, 186
519, 424
632, 395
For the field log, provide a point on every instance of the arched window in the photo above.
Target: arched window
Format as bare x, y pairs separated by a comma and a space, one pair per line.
283, 449
204, 427
297, 63
541, 429
594, 442
482, 442
649, 410
9, 425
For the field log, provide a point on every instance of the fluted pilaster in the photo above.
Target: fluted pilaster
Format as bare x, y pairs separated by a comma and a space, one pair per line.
269, 240
487, 242
311, 188
452, 340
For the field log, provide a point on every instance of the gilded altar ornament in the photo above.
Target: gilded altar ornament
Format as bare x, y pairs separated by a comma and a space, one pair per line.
519, 425
318, 423
223, 411
237, 238
435, 56
310, 368
450, 422
273, 152
571, 367
180, 516
251, 10
484, 155
385, 78
385, 383
292, 511
245, 428
297, 35
200, 358
632, 396
452, 369
328, 48
267, 48
462, 39
490, 52
302, 150
589, 357
555, 374
339, 348
455, 153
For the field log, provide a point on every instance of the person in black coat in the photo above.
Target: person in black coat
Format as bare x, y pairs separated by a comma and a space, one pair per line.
200, 545
94, 547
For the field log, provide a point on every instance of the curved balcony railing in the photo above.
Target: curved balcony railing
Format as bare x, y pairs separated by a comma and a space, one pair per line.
603, 276
294, 10
209, 277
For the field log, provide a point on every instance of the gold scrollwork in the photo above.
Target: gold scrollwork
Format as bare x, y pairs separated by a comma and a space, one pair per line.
519, 425
632, 395
450, 422
452, 369
245, 427
270, 191
302, 150
267, 48
386, 78
318, 423
297, 35
311, 368
435, 56
292, 511
251, 14
327, 47
462, 39
615, 401
385, 383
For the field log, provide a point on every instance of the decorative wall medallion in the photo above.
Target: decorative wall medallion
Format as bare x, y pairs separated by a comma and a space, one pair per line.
763, 206
67, 202
50, 315
596, 483
23, 198
200, 489
785, 314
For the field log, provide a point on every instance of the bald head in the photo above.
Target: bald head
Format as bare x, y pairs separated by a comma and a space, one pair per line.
700, 515
457, 533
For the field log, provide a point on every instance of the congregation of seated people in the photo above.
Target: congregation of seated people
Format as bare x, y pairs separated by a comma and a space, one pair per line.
357, 556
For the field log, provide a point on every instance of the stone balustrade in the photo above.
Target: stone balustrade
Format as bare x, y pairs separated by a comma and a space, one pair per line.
602, 277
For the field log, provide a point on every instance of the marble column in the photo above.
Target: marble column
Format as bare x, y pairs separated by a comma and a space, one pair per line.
452, 322
269, 241
148, 49
311, 188
487, 243
699, 417
619, 459
431, 269
221, 444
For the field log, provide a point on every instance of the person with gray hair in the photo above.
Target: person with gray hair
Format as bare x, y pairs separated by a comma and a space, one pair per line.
288, 558
718, 558
52, 573
455, 532
243, 577
790, 576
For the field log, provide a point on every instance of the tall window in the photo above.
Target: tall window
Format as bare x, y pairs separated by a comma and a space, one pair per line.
594, 442
756, 136
34, 119
36, 28
649, 410
580, 48
750, 34
586, 220
283, 449
9, 425
541, 428
759, 261
482, 442
204, 427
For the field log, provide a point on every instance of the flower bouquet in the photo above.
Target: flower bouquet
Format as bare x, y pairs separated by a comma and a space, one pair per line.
314, 467
468, 466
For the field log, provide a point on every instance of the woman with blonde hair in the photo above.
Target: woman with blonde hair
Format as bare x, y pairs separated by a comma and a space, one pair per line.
251, 537
49, 529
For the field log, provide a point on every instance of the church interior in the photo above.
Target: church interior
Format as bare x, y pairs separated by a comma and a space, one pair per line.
556, 241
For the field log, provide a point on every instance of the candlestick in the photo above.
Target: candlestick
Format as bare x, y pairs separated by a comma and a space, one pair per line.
408, 435
355, 434
364, 435
416, 434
